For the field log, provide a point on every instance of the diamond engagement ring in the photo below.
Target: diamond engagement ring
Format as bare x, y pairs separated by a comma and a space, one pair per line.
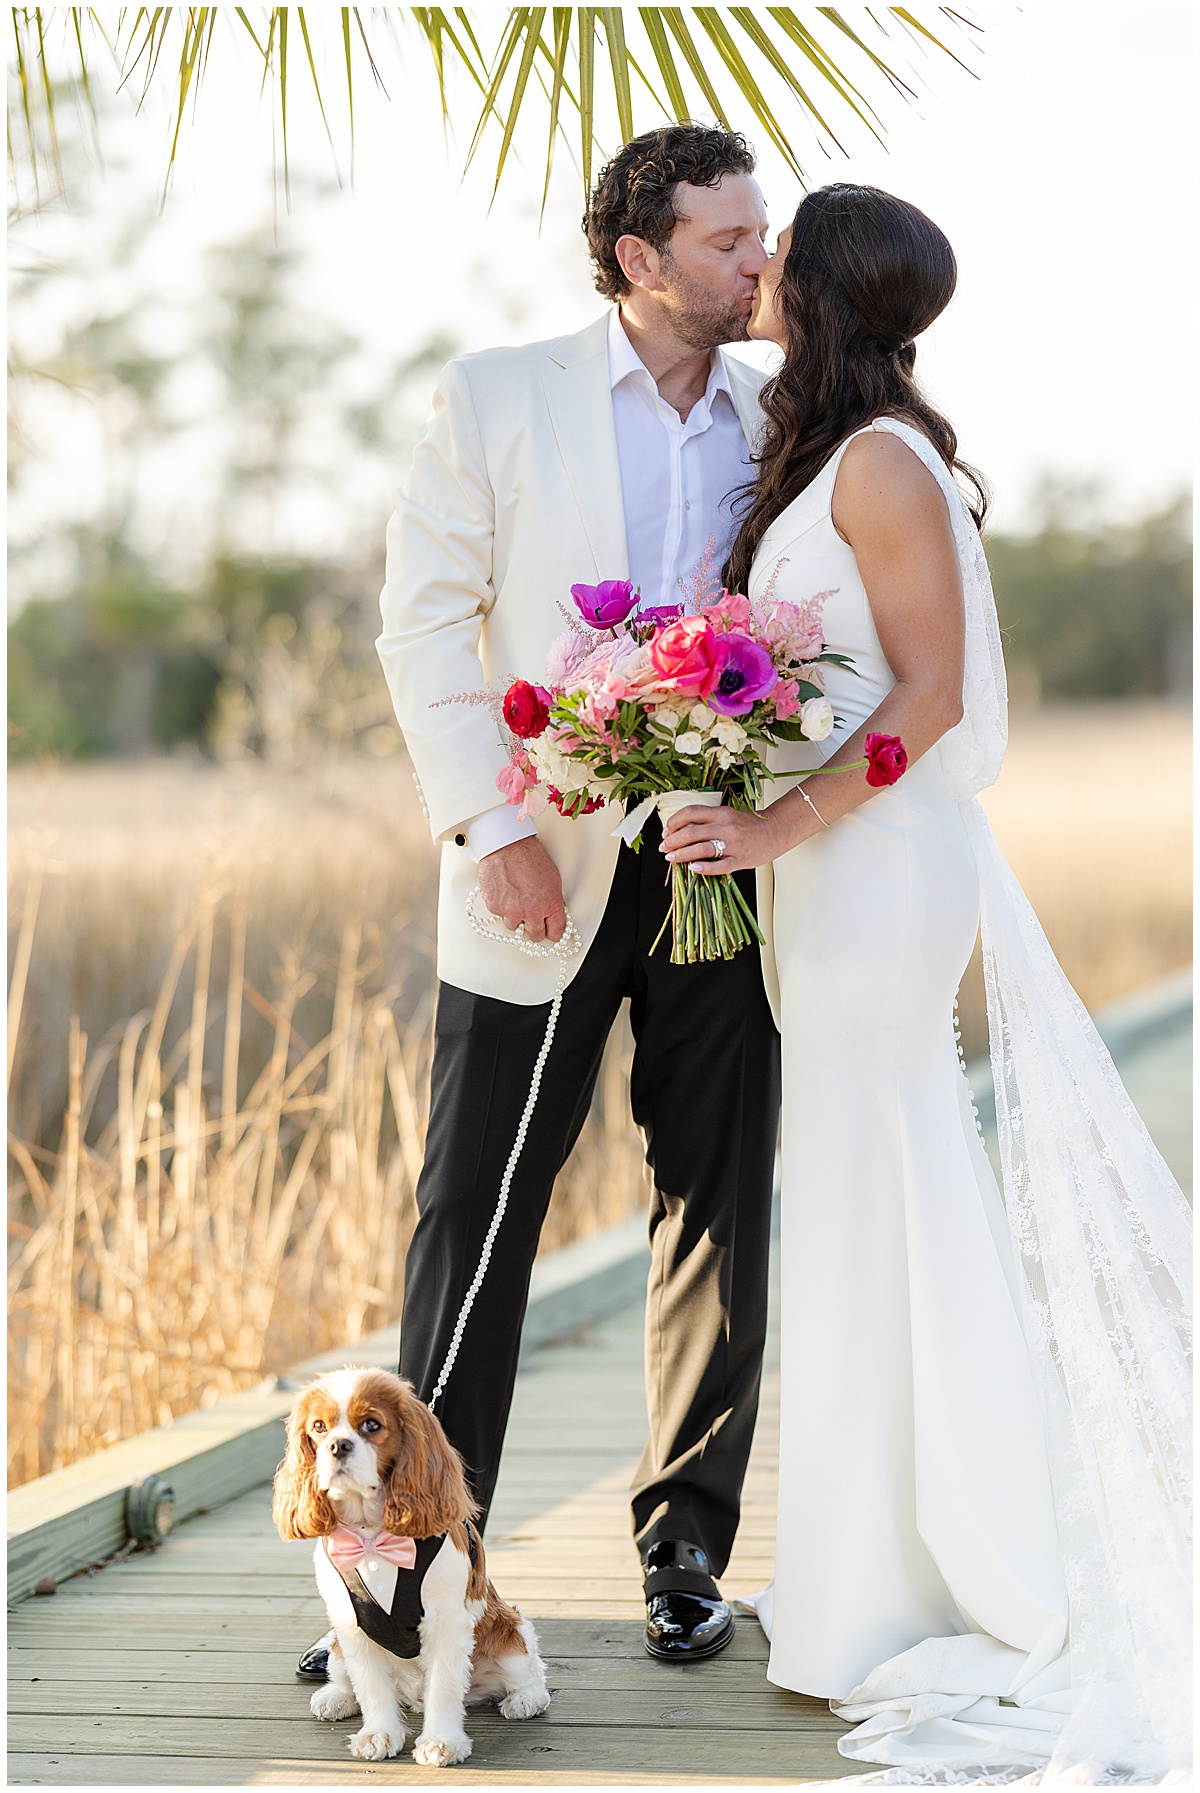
718, 847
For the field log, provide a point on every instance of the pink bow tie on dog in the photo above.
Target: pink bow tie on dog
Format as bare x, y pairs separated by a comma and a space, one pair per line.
347, 1549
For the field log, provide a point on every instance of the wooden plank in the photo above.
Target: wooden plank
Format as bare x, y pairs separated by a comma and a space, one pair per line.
275, 1665
546, 1576
586, 1637
651, 1749
167, 1771
696, 1704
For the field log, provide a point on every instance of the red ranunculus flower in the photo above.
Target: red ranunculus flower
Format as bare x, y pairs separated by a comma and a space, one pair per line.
687, 656
526, 709
887, 760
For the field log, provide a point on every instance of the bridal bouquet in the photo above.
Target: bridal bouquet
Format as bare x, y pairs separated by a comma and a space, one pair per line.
661, 708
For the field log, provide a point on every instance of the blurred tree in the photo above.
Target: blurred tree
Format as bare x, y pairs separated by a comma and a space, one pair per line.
1092, 610
111, 668
224, 435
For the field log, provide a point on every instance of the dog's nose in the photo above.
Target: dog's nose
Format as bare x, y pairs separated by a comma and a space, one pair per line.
341, 1447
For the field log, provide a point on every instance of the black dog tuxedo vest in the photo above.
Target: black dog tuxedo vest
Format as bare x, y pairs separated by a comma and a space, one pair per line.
398, 1630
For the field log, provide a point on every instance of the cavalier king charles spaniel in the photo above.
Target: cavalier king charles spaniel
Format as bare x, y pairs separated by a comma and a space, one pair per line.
370, 1474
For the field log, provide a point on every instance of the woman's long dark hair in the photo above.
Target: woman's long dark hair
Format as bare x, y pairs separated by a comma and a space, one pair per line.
864, 275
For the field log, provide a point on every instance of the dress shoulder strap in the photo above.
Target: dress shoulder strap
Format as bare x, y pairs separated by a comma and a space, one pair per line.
826, 479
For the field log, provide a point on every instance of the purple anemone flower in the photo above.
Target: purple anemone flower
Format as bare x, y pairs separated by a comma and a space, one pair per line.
659, 614
744, 674
607, 604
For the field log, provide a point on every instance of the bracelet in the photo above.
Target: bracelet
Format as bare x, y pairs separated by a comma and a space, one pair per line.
812, 806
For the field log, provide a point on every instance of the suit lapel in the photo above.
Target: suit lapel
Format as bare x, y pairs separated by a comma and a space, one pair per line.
745, 383
581, 413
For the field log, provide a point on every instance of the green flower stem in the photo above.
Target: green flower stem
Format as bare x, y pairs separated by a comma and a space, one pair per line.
710, 918
851, 766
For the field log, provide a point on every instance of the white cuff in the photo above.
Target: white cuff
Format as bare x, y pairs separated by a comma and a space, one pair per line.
492, 829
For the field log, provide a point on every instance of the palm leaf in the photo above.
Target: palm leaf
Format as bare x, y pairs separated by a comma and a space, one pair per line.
710, 21
672, 17
744, 16
587, 89
312, 69
741, 58
803, 38
561, 25
618, 56
660, 43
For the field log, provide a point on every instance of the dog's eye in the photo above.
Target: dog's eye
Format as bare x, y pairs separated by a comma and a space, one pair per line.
369, 1425
319, 1425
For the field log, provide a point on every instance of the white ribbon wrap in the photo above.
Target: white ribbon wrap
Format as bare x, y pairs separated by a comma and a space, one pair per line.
667, 803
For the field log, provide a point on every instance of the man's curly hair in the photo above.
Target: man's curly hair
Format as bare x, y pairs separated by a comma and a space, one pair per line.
634, 194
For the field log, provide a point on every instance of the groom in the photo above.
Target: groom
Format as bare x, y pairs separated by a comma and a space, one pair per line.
607, 454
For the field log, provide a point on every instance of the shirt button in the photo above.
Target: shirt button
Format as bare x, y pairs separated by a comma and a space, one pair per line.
687, 504
372, 1566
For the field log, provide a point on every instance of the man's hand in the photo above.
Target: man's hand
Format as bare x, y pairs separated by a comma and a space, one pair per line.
520, 883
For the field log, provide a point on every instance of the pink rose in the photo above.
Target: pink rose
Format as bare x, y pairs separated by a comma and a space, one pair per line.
632, 676
685, 656
887, 759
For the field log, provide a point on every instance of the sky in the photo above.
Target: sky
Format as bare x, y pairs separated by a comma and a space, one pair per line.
1059, 168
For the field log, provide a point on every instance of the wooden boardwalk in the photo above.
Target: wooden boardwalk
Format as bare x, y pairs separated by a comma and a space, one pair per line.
175, 1668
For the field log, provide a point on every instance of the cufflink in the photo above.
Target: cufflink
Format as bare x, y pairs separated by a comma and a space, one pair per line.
460, 840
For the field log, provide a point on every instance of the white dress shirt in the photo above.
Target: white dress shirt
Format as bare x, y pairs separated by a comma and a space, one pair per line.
678, 480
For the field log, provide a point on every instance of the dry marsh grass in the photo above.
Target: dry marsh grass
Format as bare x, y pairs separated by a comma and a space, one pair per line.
220, 994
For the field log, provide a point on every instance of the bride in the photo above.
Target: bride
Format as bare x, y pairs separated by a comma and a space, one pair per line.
982, 1549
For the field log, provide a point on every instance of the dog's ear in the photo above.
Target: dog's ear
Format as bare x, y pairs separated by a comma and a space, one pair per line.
427, 1489
299, 1508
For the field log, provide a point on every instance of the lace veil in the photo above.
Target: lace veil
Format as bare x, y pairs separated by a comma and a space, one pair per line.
1102, 1239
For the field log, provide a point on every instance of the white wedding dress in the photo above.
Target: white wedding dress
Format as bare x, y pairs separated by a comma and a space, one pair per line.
983, 1520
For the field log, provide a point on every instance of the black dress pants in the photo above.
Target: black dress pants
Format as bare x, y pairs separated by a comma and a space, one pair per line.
705, 1092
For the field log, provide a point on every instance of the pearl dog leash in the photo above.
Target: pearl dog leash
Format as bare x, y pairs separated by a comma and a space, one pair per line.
564, 951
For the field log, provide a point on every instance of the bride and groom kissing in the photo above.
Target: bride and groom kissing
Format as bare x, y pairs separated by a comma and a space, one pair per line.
980, 1553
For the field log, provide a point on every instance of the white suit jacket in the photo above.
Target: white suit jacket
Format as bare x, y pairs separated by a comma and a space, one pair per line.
514, 496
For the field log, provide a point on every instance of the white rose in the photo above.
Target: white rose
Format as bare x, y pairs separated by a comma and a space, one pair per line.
690, 742
816, 718
729, 733
702, 717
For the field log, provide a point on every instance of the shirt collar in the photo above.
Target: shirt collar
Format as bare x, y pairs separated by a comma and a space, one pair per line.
624, 360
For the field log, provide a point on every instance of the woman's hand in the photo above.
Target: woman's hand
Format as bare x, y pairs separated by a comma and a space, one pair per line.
750, 839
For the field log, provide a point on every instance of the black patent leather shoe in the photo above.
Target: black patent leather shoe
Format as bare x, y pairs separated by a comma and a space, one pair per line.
686, 1618
314, 1664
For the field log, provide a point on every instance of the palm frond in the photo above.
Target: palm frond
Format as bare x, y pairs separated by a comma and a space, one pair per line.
774, 65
